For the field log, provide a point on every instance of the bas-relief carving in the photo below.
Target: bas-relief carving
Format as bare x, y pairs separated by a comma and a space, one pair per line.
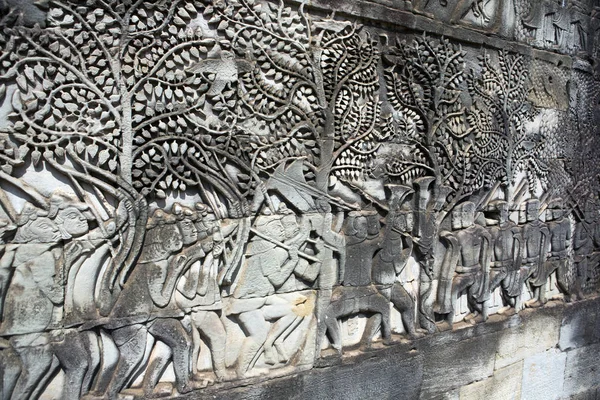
555, 25
494, 16
233, 183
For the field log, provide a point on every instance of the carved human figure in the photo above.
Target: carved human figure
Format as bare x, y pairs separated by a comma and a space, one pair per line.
429, 201
198, 291
10, 364
535, 241
506, 257
390, 261
33, 296
303, 278
548, 23
583, 246
465, 266
492, 21
145, 306
6, 228
358, 294
559, 229
271, 261
363, 239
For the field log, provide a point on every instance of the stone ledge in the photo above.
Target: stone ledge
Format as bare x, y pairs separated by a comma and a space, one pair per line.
428, 369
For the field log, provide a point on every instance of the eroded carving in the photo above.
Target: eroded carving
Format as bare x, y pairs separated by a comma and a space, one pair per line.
198, 193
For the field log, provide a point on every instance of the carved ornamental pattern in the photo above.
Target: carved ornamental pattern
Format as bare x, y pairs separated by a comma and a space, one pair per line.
199, 193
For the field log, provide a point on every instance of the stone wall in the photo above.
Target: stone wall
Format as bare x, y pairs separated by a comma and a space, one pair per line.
318, 199
533, 355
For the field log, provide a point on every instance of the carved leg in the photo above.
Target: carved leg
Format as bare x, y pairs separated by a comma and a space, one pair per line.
10, 369
275, 332
460, 10
36, 361
323, 302
404, 303
333, 329
477, 309
562, 280
90, 342
171, 332
73, 357
131, 342
381, 305
257, 329
159, 358
212, 330
459, 285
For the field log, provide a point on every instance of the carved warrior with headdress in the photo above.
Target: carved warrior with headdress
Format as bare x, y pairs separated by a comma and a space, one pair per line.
145, 306
465, 266
560, 236
259, 296
390, 261
198, 291
506, 256
535, 241
36, 291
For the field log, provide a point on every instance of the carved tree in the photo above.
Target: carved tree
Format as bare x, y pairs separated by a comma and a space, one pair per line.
429, 125
95, 89
424, 88
312, 92
504, 145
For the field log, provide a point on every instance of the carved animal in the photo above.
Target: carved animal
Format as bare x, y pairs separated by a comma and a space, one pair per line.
347, 301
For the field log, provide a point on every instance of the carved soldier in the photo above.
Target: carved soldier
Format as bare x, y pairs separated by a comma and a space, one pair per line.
557, 259
465, 266
36, 294
535, 240
145, 306
506, 257
198, 291
363, 239
33, 294
272, 259
583, 246
390, 261
6, 228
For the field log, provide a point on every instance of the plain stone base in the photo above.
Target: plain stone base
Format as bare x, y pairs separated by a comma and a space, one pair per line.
532, 355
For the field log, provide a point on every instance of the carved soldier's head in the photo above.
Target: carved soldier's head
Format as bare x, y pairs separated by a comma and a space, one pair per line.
463, 215
206, 222
186, 218
555, 212
70, 215
532, 210
404, 221
373, 224
34, 226
288, 219
499, 209
163, 237
357, 225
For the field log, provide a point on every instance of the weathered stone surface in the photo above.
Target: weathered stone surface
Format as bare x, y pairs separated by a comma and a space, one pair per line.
389, 377
582, 373
203, 195
580, 325
504, 384
544, 375
442, 372
537, 335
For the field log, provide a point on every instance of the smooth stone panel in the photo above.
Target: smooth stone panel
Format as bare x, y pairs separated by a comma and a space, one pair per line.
536, 335
505, 384
582, 372
580, 325
543, 375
